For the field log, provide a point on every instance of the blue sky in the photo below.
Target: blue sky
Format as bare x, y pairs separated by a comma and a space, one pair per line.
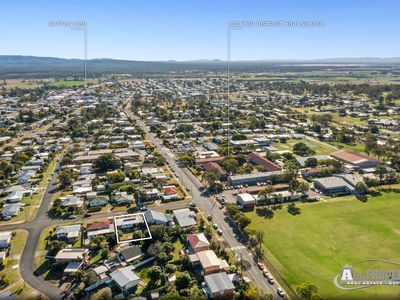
185, 30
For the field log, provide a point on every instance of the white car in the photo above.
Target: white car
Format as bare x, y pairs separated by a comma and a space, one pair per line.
280, 292
215, 226
265, 273
270, 279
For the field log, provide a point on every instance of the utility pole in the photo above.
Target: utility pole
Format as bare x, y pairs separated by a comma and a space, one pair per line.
228, 67
85, 51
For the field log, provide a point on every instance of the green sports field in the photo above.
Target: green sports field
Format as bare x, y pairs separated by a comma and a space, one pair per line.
316, 244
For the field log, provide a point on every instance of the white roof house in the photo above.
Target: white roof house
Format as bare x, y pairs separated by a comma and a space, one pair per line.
69, 231
71, 254
5, 239
14, 197
125, 278
11, 210
16, 188
185, 217
73, 201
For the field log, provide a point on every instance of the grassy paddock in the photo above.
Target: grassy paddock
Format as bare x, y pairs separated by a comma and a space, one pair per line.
319, 147
316, 244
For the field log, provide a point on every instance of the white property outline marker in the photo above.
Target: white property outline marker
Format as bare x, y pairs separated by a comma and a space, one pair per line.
129, 216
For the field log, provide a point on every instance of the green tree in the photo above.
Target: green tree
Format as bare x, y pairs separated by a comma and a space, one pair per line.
360, 188
116, 177
303, 187
231, 165
65, 178
173, 295
265, 195
259, 237
183, 280
302, 149
186, 159
381, 172
107, 162
306, 290
292, 170
56, 246
209, 178
370, 143
243, 265
242, 220
154, 273
311, 162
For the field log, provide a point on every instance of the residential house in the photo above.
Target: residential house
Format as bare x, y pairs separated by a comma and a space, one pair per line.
14, 197
122, 198
125, 278
185, 217
17, 188
207, 262
82, 187
11, 210
170, 193
99, 201
218, 286
198, 242
5, 239
97, 228
129, 223
157, 218
26, 176
71, 201
70, 254
129, 254
68, 232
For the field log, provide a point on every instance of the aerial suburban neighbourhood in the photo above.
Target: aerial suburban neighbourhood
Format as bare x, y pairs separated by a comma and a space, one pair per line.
243, 178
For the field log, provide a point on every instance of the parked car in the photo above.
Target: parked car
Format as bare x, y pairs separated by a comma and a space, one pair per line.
209, 217
192, 204
265, 273
280, 292
219, 231
215, 226
260, 265
270, 279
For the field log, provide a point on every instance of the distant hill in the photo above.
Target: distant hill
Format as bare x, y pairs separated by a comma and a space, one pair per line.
16, 65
